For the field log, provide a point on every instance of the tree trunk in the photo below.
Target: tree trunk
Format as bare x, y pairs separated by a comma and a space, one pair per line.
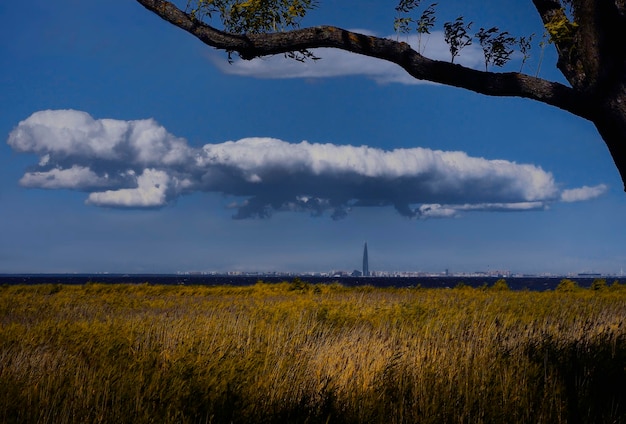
611, 124
593, 59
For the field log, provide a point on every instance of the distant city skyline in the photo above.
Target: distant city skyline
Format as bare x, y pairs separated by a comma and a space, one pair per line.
366, 272
400, 274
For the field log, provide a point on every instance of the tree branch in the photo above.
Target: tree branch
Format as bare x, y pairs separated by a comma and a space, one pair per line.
249, 46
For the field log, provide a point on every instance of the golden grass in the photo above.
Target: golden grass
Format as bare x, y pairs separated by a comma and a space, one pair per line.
276, 353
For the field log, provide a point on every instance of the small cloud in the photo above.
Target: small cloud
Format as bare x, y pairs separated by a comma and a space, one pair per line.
77, 178
138, 164
583, 193
503, 207
152, 186
436, 211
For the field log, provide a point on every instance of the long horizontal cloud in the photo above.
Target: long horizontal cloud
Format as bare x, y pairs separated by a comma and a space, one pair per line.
338, 63
138, 164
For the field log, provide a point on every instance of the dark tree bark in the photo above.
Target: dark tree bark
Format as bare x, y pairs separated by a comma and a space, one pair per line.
593, 60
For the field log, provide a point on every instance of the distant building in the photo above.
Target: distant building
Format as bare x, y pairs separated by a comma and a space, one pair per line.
366, 265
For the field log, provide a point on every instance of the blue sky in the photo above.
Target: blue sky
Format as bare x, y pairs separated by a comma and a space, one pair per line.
131, 147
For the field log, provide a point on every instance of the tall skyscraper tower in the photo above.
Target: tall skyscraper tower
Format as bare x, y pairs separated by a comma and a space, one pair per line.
366, 265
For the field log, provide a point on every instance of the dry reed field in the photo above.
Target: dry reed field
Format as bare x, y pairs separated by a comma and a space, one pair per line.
299, 353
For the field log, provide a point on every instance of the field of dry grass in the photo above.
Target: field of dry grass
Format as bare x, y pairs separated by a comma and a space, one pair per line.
293, 352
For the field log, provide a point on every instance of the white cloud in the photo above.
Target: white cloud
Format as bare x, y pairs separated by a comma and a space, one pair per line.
77, 177
151, 191
338, 63
436, 211
520, 206
145, 166
583, 193
71, 133
68, 133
